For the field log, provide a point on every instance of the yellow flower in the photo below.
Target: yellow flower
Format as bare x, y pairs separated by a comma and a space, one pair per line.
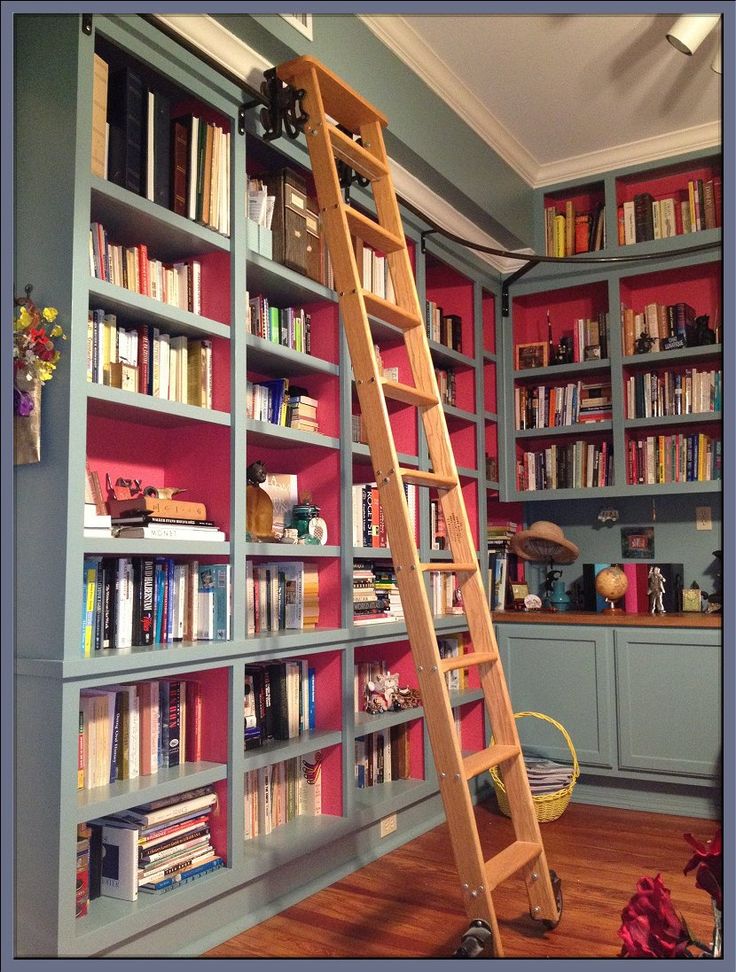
56, 331
23, 320
49, 314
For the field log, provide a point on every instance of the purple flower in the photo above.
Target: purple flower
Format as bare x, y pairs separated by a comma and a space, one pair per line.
22, 402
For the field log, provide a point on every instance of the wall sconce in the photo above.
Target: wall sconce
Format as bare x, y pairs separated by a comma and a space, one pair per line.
688, 33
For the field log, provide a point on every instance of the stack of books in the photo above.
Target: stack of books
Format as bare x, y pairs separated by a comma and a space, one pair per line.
156, 847
367, 606
150, 518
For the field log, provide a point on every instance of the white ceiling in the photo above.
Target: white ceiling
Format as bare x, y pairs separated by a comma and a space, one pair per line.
562, 96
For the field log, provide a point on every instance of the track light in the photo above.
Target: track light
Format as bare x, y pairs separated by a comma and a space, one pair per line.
689, 32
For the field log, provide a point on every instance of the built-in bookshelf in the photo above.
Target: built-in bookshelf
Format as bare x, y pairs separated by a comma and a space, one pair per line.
613, 377
198, 354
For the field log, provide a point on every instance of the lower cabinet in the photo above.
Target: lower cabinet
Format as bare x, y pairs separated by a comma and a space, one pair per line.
638, 703
565, 673
668, 694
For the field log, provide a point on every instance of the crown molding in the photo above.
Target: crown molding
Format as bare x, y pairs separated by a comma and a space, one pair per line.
397, 34
645, 150
206, 33
400, 37
241, 60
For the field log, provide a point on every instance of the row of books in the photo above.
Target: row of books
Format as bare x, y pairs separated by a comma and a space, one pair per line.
132, 730
660, 321
575, 465
277, 402
555, 406
374, 272
674, 458
567, 231
369, 527
456, 679
504, 568
144, 359
276, 794
142, 142
382, 756
446, 384
281, 596
279, 701
141, 601
697, 207
375, 593
654, 394
589, 333
289, 327
437, 526
177, 284
153, 848
445, 329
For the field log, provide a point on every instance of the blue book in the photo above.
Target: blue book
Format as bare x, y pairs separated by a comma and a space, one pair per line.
221, 579
312, 678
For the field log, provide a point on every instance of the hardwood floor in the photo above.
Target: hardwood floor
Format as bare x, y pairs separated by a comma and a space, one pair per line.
408, 904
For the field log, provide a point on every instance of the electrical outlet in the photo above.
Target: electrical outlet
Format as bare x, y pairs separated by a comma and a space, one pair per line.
388, 825
702, 518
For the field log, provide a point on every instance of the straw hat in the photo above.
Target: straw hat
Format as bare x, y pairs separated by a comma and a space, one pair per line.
544, 541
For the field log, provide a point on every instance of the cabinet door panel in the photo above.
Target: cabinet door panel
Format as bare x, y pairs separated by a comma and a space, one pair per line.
669, 690
565, 674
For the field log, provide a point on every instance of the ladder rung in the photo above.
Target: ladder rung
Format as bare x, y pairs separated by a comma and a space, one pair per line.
406, 393
467, 661
371, 232
421, 478
339, 99
358, 158
509, 861
449, 567
486, 759
384, 310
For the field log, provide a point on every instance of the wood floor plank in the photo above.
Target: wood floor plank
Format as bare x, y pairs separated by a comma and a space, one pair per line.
408, 903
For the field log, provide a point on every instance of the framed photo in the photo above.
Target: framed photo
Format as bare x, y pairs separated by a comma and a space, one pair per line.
592, 352
637, 543
519, 591
531, 355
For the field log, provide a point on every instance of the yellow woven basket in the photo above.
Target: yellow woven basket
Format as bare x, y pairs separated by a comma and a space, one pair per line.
549, 806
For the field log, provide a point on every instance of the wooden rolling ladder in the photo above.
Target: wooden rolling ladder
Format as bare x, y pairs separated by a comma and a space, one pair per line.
334, 111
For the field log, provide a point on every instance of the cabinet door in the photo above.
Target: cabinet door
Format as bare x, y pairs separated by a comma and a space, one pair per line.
565, 673
669, 712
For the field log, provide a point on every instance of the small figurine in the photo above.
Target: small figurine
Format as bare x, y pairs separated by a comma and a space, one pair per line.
656, 591
549, 584
383, 694
258, 504
644, 343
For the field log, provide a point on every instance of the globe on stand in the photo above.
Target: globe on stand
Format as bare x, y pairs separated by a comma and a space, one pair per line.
612, 583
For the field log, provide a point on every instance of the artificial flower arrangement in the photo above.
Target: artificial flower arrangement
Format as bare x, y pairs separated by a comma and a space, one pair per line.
650, 926
35, 355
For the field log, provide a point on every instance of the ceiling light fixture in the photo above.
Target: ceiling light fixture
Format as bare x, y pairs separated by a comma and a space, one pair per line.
689, 32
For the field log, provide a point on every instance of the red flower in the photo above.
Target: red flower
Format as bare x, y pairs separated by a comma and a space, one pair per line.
650, 928
708, 859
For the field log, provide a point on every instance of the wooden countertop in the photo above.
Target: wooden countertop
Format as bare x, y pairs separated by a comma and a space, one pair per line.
618, 619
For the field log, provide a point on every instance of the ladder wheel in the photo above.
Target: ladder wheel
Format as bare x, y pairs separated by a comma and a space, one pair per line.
551, 923
478, 938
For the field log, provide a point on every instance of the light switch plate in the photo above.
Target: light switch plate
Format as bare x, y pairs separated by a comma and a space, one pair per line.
702, 518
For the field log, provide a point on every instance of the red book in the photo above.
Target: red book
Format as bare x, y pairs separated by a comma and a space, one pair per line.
144, 283
193, 746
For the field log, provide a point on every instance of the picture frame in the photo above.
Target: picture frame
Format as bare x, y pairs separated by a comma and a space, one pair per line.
534, 355
592, 352
519, 591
